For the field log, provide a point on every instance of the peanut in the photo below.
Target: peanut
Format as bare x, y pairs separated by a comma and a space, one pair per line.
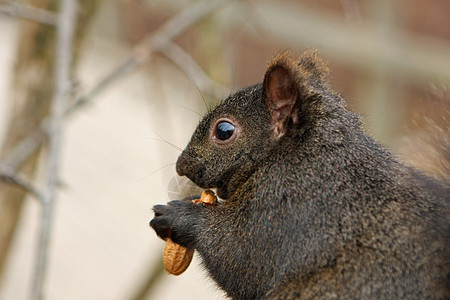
177, 258
208, 198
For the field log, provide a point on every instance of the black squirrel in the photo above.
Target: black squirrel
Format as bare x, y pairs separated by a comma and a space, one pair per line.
313, 207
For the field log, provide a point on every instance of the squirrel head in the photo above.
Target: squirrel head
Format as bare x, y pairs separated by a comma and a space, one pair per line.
236, 137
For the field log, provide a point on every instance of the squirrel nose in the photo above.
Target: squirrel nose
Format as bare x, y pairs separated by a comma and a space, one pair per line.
181, 166
190, 166
184, 163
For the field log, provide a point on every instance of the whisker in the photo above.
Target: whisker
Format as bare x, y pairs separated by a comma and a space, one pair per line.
167, 142
182, 187
157, 170
191, 110
201, 94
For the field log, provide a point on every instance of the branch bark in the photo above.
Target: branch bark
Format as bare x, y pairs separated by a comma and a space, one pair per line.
7, 175
28, 12
64, 49
32, 86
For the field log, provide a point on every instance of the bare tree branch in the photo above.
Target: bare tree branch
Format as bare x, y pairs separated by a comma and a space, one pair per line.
157, 41
27, 146
65, 34
8, 175
18, 10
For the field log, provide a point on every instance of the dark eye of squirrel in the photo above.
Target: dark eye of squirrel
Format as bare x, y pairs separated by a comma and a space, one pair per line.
224, 130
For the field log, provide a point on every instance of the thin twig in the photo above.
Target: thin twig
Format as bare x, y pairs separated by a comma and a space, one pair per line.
189, 66
27, 12
152, 279
10, 176
64, 49
27, 146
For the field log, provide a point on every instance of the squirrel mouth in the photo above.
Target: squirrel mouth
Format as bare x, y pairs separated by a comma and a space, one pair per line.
222, 190
216, 193
220, 187
222, 193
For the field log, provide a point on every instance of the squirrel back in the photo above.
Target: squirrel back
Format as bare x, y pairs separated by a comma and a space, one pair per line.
312, 206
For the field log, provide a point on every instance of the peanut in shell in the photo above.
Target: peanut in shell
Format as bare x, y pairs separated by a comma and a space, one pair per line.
177, 258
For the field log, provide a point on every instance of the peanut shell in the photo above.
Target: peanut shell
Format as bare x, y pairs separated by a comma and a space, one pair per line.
176, 258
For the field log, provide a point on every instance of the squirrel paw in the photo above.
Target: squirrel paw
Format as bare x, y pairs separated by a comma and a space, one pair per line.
176, 220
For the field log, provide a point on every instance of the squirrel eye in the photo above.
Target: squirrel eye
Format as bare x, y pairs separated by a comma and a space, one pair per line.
224, 130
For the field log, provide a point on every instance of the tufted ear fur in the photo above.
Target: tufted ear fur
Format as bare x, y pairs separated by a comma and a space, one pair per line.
287, 82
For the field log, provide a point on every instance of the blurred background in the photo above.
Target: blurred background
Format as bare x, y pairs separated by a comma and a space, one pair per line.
144, 72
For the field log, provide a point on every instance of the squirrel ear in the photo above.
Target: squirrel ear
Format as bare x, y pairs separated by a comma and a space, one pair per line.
288, 81
281, 92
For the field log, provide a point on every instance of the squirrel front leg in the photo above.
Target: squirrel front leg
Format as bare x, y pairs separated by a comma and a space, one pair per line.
179, 220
